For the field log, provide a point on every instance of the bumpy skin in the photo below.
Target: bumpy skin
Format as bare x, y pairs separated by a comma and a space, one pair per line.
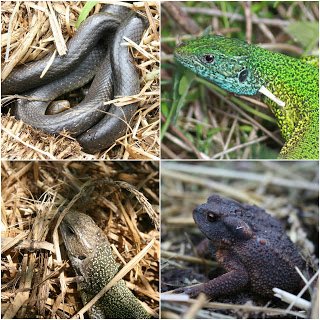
251, 246
243, 68
91, 257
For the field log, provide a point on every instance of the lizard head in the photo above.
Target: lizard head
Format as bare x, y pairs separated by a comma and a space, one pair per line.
223, 61
81, 237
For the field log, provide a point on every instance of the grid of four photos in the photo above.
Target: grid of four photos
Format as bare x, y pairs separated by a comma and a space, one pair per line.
159, 159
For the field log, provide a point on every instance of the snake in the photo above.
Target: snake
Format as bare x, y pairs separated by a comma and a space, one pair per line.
95, 52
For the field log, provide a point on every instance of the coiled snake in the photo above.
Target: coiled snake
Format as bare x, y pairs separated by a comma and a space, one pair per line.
94, 52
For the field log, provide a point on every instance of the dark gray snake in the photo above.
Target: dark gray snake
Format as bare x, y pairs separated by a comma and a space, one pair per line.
94, 51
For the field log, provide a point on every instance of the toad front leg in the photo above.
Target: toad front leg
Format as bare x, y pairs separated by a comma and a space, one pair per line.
235, 279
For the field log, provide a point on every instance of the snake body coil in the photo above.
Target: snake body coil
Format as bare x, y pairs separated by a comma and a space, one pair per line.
96, 51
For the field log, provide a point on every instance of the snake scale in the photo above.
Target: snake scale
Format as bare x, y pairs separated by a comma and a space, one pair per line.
95, 52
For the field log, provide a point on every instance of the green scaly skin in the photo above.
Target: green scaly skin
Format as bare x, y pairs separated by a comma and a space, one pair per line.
242, 68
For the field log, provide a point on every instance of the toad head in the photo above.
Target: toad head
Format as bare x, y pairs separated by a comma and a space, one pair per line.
221, 220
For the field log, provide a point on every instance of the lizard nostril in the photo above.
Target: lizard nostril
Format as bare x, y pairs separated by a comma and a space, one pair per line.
180, 43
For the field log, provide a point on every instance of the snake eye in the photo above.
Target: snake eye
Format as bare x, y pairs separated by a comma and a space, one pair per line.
243, 75
208, 58
211, 217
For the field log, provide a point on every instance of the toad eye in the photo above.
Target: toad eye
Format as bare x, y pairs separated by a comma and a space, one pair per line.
211, 217
208, 58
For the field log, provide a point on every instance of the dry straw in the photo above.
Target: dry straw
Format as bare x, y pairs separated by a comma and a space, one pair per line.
37, 280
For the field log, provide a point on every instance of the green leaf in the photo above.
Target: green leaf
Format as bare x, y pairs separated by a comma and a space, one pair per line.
304, 32
85, 12
181, 85
246, 128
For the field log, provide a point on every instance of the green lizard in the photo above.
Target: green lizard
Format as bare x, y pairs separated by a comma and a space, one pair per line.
290, 85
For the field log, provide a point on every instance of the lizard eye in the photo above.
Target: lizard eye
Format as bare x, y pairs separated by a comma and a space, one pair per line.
243, 75
211, 217
208, 58
70, 230
81, 257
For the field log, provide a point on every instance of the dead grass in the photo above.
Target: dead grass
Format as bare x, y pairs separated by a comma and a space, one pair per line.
28, 31
286, 190
37, 280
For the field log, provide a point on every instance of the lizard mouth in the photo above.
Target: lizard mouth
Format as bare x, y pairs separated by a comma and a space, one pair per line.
179, 55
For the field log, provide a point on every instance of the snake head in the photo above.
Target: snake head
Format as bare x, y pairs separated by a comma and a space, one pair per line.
223, 61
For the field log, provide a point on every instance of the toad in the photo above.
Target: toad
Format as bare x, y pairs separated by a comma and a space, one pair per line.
250, 245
